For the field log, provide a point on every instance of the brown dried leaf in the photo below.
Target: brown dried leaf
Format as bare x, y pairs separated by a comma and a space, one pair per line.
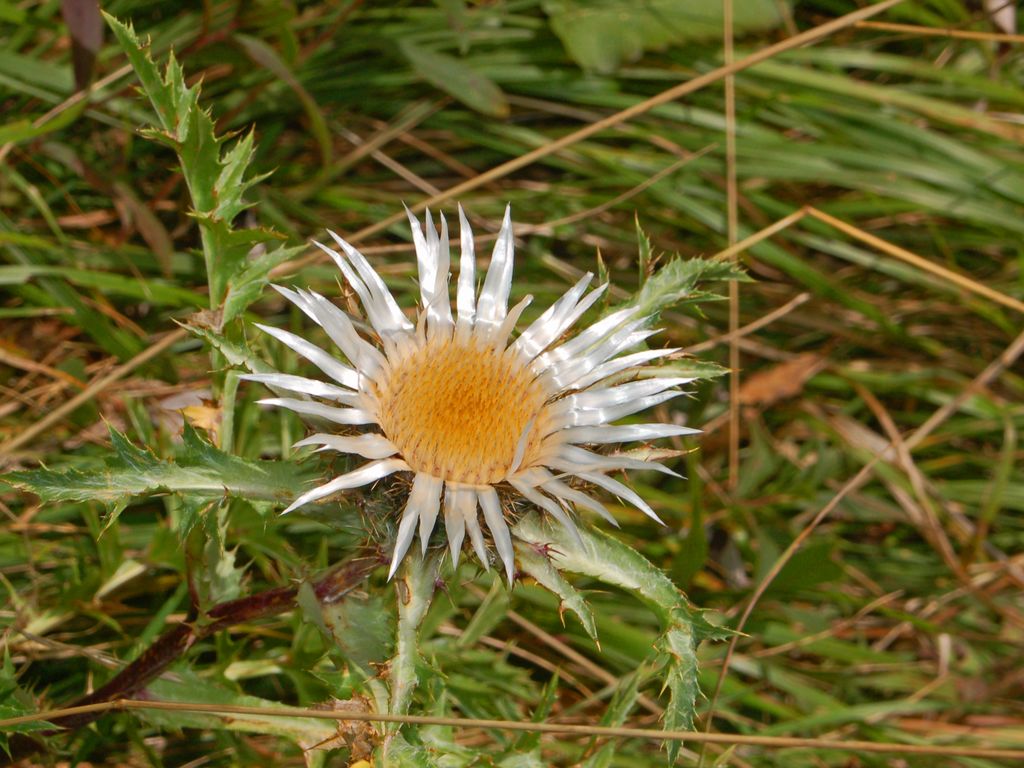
780, 381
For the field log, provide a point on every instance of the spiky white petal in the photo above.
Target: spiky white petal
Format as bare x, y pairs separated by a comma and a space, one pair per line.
586, 338
624, 433
432, 259
339, 327
367, 445
566, 373
616, 395
466, 297
556, 319
622, 491
492, 305
588, 417
456, 499
528, 490
329, 412
491, 507
573, 459
422, 506
476, 536
500, 337
563, 493
377, 310
620, 364
340, 372
380, 305
303, 386
365, 475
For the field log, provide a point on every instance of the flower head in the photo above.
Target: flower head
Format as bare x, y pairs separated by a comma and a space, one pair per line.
473, 411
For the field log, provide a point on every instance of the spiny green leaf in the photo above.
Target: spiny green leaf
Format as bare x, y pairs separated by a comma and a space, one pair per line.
415, 587
676, 283
645, 255
246, 285
688, 367
607, 559
221, 579
540, 567
361, 629
401, 754
235, 355
217, 179
202, 471
15, 702
602, 557
164, 99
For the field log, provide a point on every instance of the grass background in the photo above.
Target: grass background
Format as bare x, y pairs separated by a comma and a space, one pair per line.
900, 617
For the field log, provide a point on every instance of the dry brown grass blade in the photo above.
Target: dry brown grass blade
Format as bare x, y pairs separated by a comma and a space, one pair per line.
773, 742
918, 31
15, 360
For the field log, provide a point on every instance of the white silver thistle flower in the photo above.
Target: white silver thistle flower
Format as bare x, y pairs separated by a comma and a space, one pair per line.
473, 413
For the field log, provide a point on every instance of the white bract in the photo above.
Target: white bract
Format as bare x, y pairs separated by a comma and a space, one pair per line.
475, 415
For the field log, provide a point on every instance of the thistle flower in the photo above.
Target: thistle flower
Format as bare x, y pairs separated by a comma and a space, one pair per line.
475, 413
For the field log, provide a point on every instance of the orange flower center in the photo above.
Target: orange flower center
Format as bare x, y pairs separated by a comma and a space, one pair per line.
460, 411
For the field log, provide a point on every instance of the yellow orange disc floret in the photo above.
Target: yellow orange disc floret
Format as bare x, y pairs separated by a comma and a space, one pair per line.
459, 410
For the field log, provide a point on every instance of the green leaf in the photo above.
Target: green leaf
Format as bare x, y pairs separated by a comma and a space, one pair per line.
415, 588
162, 94
10, 12
217, 179
491, 612
457, 79
601, 35
15, 702
676, 283
529, 744
246, 285
221, 579
202, 471
234, 354
401, 754
540, 567
602, 557
687, 367
361, 629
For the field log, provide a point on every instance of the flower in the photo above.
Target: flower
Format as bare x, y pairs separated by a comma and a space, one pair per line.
473, 413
